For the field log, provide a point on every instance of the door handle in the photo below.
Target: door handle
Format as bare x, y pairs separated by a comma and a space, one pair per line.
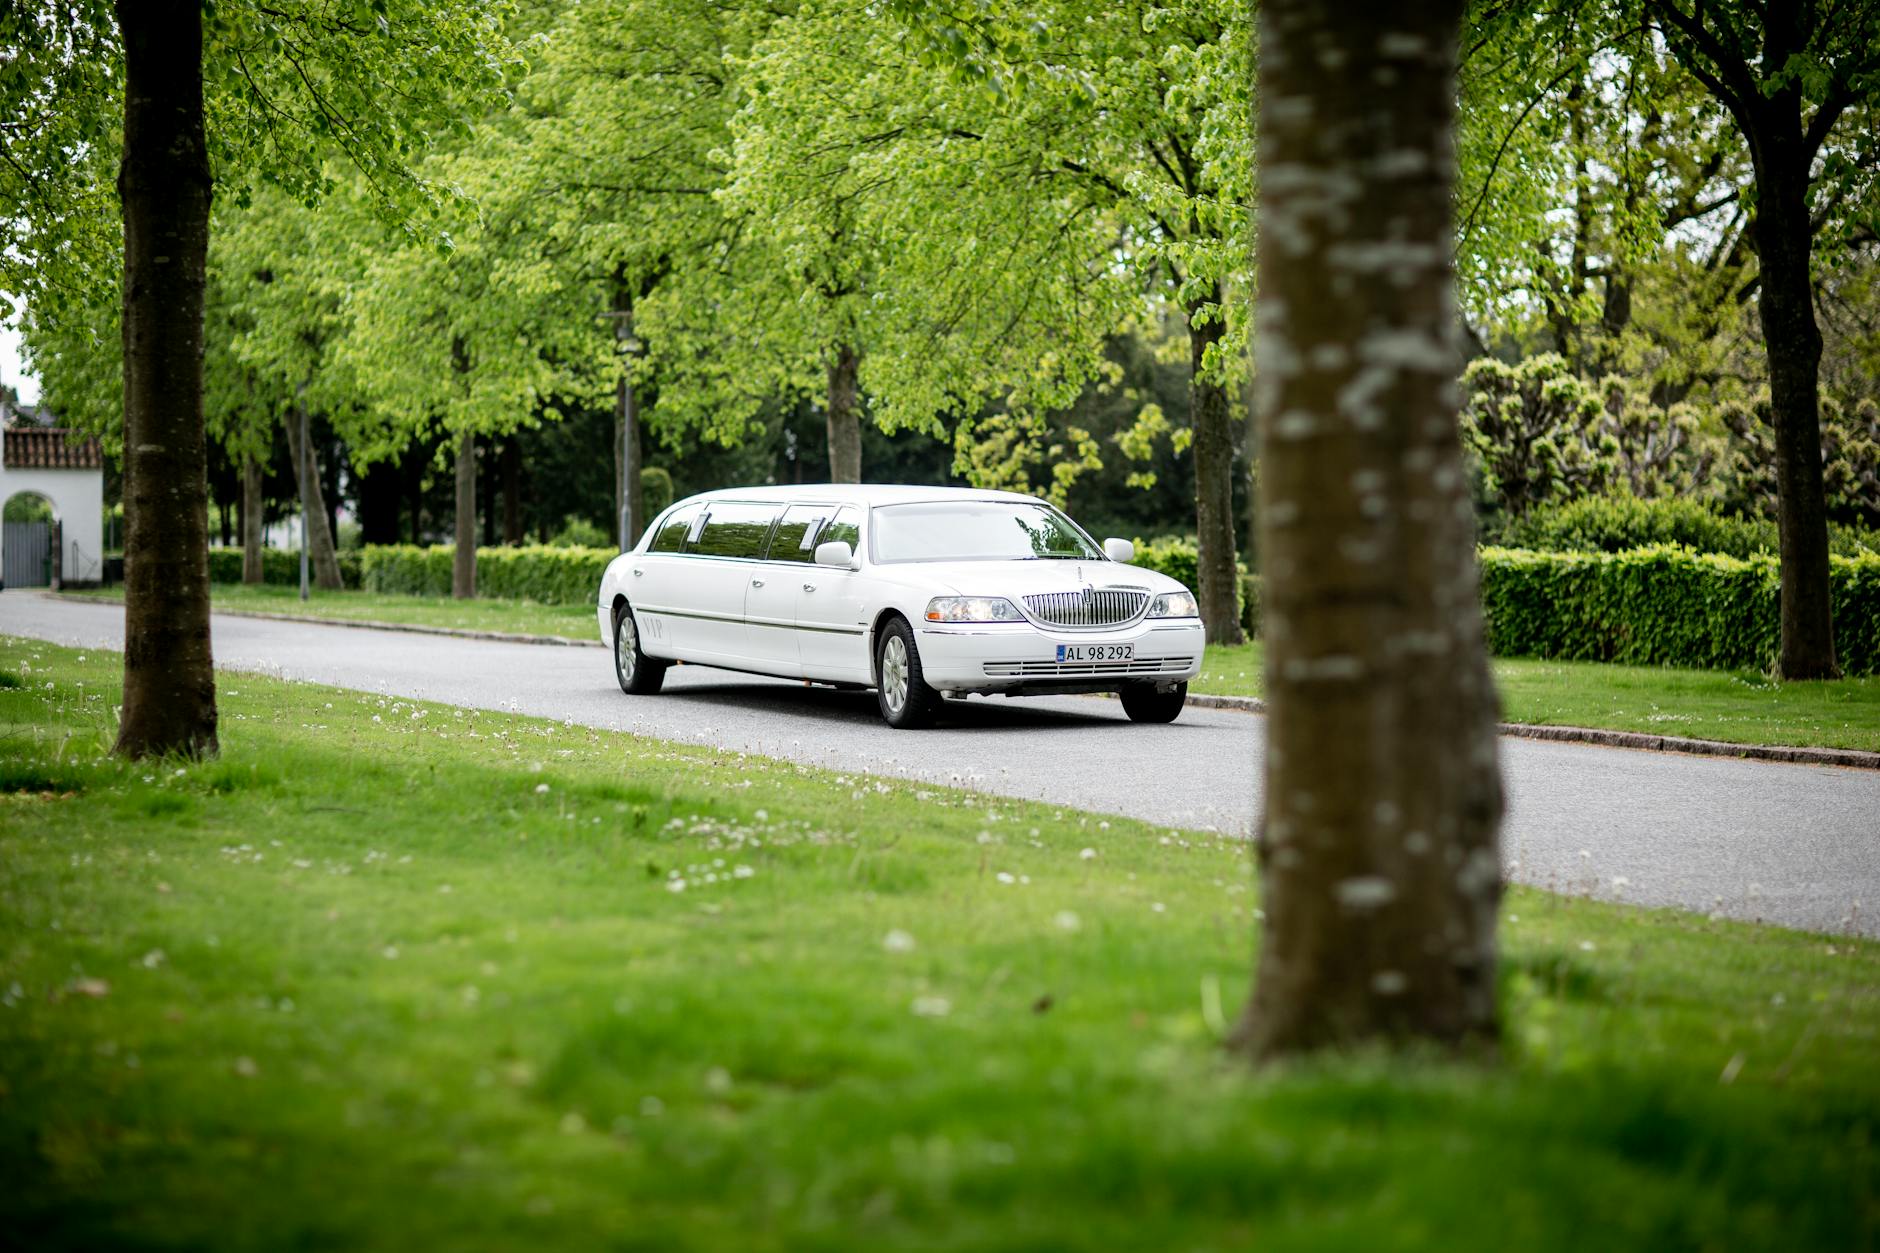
637, 572
757, 582
809, 587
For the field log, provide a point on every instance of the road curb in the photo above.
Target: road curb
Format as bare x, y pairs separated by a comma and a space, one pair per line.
412, 628
1851, 758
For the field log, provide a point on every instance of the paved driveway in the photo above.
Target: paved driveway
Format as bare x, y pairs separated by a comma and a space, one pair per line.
1798, 845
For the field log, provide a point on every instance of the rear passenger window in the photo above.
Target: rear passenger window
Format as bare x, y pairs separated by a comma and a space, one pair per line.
735, 529
795, 539
845, 526
671, 535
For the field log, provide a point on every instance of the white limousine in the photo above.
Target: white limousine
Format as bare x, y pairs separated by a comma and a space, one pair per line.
922, 593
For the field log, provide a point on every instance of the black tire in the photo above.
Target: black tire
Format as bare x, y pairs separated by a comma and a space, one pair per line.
639, 675
905, 699
1144, 704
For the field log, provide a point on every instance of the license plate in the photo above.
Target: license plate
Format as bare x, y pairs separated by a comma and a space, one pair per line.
1095, 652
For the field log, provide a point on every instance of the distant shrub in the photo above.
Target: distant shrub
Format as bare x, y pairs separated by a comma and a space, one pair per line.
541, 573
1664, 605
578, 532
278, 565
1615, 523
1175, 557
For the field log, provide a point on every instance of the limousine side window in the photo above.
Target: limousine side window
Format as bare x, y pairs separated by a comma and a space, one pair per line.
795, 539
671, 536
845, 526
735, 529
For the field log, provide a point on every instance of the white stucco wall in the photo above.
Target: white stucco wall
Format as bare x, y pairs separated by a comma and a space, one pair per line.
77, 498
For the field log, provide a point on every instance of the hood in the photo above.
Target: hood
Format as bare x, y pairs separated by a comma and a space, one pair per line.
1026, 578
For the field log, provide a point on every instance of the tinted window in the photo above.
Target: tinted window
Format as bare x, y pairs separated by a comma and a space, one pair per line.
735, 530
845, 526
795, 539
978, 530
671, 536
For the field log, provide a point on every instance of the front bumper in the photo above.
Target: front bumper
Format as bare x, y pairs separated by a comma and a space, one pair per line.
998, 656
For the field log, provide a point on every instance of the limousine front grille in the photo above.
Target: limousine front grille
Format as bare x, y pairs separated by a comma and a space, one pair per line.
1056, 669
1092, 607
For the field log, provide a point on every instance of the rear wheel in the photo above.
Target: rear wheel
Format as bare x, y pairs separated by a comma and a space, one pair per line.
1143, 703
906, 700
639, 674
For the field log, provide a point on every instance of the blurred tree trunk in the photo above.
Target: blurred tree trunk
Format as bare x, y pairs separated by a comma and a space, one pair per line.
463, 564
164, 188
1217, 568
313, 501
1378, 842
252, 507
629, 501
845, 424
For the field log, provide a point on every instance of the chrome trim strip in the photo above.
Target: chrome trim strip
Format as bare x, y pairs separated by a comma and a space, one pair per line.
741, 620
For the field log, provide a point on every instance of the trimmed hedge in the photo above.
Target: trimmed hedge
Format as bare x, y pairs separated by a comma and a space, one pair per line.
278, 565
1665, 605
1618, 523
546, 575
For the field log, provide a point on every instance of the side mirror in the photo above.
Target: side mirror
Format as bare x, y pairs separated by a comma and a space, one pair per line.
1119, 550
836, 553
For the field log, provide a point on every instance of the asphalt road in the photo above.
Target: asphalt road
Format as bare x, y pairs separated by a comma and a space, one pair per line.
1795, 845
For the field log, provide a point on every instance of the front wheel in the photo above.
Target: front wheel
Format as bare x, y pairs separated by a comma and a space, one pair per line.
906, 700
639, 674
1143, 703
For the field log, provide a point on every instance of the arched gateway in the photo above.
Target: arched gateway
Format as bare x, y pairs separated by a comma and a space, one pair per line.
67, 470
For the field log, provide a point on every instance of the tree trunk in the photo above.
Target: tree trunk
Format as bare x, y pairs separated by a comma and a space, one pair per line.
492, 485
1217, 568
512, 493
845, 424
1382, 795
164, 188
629, 499
463, 563
1792, 341
313, 502
379, 489
252, 507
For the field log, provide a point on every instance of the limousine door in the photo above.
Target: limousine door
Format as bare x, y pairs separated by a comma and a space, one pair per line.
829, 611
718, 569
770, 603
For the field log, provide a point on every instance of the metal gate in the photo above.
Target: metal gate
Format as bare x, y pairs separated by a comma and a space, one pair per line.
28, 554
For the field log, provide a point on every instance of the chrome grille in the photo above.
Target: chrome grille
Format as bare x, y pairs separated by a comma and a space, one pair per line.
1136, 665
1092, 607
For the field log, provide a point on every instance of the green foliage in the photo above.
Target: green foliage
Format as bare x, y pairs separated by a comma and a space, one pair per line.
1175, 556
1616, 522
279, 566
541, 573
578, 532
655, 490
1850, 459
1665, 605
1534, 428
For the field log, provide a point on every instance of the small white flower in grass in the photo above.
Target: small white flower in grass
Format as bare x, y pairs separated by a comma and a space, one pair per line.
1159, 907
1103, 826
246, 1068
1067, 921
572, 1124
180, 773
743, 872
1587, 946
390, 952
985, 837
762, 815
898, 941
718, 1080
1004, 877
443, 889
1088, 854
675, 885
541, 789
153, 959
931, 1007
376, 718
1620, 882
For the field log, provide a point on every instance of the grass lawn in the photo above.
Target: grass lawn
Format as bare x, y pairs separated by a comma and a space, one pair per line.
1741, 707
521, 617
391, 975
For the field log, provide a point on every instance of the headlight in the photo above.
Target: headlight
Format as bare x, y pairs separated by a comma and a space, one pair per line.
1174, 605
972, 609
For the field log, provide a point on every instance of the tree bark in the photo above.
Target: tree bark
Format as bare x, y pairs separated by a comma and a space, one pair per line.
1792, 340
164, 187
463, 563
1382, 796
252, 507
845, 424
320, 546
512, 493
629, 499
1217, 567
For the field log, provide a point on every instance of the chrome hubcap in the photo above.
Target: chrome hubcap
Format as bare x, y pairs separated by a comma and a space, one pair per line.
894, 673
626, 647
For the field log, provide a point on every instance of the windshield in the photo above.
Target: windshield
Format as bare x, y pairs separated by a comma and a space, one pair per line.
979, 530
